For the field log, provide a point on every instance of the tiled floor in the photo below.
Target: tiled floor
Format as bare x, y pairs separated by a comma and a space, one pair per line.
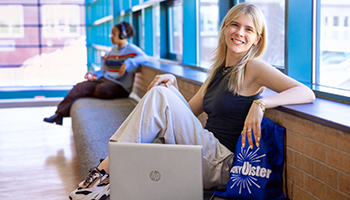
37, 159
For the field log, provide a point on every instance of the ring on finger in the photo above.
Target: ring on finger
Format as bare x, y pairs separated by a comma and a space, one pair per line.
248, 131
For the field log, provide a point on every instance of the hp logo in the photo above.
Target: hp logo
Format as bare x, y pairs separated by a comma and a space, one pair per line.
155, 176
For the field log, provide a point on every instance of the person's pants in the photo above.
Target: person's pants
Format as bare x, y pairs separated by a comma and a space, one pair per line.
163, 112
102, 88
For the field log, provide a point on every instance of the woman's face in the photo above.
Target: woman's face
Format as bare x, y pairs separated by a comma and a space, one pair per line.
240, 35
115, 36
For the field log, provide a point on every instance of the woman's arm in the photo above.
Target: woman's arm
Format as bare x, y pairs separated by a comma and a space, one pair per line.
289, 91
196, 103
131, 64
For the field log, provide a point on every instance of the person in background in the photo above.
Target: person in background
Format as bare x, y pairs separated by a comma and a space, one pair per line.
115, 78
230, 97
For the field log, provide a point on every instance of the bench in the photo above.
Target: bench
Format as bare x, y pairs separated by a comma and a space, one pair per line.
94, 121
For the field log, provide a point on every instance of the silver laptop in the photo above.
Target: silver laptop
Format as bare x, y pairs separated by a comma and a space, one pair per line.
155, 171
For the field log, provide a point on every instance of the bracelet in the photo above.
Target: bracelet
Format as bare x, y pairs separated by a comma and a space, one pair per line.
260, 104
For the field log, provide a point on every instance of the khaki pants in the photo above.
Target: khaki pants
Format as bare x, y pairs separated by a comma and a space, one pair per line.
163, 112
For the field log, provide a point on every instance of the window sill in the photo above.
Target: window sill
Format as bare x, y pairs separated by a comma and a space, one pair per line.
326, 112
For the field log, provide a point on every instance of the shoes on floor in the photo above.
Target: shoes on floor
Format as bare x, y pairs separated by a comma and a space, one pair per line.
56, 118
95, 187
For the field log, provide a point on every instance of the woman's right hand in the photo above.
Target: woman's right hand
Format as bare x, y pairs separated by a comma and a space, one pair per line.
167, 79
89, 76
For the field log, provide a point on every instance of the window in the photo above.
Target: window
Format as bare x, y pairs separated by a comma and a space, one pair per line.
138, 23
209, 30
175, 28
333, 69
156, 31
11, 21
60, 20
335, 21
42, 44
274, 12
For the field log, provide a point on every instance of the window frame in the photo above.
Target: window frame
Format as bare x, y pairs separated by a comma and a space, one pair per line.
326, 92
300, 46
26, 92
298, 52
176, 56
11, 25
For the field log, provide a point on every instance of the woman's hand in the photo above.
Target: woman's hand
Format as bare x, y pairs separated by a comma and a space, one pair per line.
167, 79
90, 76
122, 70
252, 124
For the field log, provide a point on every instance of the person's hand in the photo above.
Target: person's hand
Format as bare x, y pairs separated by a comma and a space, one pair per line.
167, 79
104, 56
122, 70
89, 76
252, 125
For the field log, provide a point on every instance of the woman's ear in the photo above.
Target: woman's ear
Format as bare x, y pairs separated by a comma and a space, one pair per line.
257, 40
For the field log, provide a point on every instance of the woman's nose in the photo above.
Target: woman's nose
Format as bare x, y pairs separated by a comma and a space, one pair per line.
240, 32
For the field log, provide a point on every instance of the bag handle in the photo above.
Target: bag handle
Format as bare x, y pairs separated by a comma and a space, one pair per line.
285, 163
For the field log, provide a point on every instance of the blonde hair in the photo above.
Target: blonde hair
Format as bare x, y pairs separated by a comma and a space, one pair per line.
236, 77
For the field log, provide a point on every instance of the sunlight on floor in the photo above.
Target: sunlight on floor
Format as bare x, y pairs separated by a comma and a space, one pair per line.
37, 159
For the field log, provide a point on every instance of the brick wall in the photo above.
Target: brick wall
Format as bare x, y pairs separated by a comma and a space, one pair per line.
318, 157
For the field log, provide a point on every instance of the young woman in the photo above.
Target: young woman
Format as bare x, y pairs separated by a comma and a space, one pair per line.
230, 96
114, 80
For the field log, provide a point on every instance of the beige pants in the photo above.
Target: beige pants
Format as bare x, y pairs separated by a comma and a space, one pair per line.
163, 112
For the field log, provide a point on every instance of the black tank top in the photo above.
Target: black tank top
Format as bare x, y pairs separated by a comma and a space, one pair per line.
226, 111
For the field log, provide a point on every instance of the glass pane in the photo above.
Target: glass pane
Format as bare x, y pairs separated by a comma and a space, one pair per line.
9, 53
11, 21
60, 21
156, 30
209, 30
62, 1
141, 28
19, 1
51, 55
175, 13
25, 36
334, 68
31, 13
274, 12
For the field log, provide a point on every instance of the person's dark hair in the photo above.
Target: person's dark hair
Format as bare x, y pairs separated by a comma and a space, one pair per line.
126, 30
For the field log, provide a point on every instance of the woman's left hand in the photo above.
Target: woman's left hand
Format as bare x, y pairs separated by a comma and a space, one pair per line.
252, 125
122, 70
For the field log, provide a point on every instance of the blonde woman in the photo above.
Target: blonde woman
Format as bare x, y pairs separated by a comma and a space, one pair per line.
230, 96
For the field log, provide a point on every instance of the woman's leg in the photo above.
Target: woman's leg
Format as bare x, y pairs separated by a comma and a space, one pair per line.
107, 89
82, 89
163, 113
104, 165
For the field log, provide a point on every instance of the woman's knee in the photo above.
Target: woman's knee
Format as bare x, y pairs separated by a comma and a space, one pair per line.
85, 87
160, 89
104, 91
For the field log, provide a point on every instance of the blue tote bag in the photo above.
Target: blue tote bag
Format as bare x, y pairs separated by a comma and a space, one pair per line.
257, 173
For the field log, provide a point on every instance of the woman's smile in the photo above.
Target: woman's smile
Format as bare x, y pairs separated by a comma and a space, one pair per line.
237, 41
